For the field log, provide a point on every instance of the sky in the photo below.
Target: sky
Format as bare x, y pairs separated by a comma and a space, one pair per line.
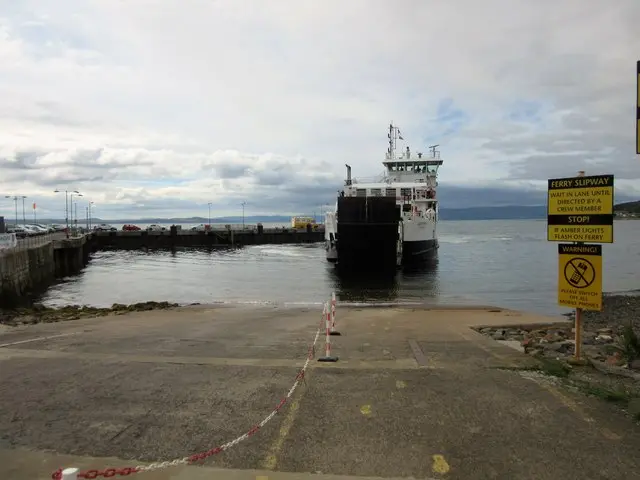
160, 107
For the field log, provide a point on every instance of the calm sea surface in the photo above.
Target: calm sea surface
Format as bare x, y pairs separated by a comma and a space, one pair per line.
503, 263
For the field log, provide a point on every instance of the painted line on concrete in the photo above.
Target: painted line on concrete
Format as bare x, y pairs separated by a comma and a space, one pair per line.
478, 342
564, 399
38, 339
572, 405
270, 461
440, 464
418, 354
396, 364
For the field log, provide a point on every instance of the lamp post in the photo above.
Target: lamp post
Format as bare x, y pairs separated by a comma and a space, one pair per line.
89, 207
74, 225
15, 201
24, 216
243, 204
209, 214
66, 205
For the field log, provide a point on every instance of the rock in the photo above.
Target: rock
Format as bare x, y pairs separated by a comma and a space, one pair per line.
536, 351
635, 364
498, 336
588, 338
634, 407
564, 347
603, 338
553, 337
604, 331
486, 330
615, 359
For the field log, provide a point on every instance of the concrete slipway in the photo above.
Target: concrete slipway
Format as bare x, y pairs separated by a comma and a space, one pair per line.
415, 394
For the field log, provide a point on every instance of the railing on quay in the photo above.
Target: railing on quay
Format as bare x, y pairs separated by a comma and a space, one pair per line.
35, 241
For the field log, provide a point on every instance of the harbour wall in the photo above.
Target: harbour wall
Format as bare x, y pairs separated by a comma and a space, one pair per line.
122, 240
27, 270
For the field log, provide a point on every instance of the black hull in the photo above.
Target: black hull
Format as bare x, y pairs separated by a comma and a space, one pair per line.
415, 252
367, 234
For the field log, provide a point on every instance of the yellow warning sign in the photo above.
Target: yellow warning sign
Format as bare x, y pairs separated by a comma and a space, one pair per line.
580, 276
580, 209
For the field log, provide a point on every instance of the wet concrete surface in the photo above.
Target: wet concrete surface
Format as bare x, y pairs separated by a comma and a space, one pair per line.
153, 386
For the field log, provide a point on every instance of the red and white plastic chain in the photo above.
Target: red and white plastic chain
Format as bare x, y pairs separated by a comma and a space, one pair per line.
112, 472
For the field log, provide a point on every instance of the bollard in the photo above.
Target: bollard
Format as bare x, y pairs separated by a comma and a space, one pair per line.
333, 315
70, 474
327, 356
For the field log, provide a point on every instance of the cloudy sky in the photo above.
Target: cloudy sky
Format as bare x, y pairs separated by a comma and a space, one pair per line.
157, 107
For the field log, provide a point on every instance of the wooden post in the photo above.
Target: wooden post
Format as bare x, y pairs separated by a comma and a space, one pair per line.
578, 320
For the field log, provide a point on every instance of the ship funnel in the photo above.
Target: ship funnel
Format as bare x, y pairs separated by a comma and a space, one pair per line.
348, 182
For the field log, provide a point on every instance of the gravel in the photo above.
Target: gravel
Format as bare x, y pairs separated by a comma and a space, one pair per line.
617, 310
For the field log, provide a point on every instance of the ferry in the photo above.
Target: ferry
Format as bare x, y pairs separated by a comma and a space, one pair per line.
389, 220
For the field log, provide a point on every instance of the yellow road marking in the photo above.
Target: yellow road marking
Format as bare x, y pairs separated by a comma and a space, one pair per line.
365, 410
271, 459
487, 349
572, 405
400, 384
262, 477
564, 399
440, 465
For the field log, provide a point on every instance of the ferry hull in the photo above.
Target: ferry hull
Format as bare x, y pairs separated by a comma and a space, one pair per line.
367, 234
419, 250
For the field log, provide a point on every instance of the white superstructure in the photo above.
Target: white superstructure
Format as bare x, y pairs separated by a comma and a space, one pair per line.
412, 180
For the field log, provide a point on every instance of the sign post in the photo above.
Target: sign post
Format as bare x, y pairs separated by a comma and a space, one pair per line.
580, 210
638, 107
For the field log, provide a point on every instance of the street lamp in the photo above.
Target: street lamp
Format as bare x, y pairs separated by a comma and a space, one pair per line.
210, 214
24, 217
66, 205
75, 207
15, 201
243, 204
90, 203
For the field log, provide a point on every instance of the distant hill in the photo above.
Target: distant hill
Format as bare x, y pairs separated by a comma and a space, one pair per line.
508, 212
628, 207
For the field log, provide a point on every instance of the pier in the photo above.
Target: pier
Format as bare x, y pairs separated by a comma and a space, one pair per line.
175, 238
35, 262
416, 393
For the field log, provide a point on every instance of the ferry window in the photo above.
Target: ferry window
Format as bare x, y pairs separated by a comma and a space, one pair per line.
409, 168
376, 192
405, 192
391, 192
406, 207
361, 192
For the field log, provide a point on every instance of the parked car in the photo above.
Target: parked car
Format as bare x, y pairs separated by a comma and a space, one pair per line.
19, 231
201, 228
39, 230
130, 228
58, 228
104, 227
31, 230
154, 227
